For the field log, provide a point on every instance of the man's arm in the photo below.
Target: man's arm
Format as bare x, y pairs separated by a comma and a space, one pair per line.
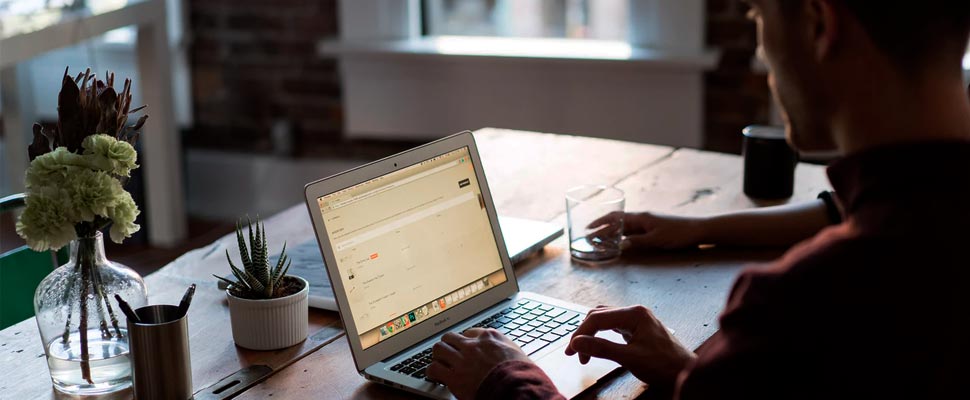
781, 226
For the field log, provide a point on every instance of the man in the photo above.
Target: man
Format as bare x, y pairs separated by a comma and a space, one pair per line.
870, 308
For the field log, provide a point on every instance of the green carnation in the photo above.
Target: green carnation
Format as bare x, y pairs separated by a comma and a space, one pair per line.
116, 156
92, 193
122, 216
48, 221
65, 189
52, 168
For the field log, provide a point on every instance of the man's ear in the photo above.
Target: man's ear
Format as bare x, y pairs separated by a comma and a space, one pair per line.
825, 25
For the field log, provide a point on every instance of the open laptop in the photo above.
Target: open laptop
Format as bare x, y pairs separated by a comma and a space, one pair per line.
523, 237
413, 249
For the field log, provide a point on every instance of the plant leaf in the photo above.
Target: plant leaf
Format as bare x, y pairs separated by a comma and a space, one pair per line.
40, 145
243, 251
231, 283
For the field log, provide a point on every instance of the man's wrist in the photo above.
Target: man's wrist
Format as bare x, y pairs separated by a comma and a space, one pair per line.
703, 230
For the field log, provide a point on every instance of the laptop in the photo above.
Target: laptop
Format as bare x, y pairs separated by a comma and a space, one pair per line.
523, 238
414, 249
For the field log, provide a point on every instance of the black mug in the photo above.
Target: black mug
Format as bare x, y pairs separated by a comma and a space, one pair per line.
769, 163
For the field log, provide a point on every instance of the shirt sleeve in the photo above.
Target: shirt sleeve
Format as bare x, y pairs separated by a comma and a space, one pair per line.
518, 380
745, 359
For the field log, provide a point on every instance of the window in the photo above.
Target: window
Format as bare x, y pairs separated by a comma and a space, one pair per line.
966, 60
574, 19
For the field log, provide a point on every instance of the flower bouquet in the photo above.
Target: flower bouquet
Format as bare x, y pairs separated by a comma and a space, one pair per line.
74, 190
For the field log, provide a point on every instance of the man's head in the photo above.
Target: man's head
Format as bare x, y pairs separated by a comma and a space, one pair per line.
823, 54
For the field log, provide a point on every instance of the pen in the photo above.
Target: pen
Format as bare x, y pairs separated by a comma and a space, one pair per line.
125, 308
186, 300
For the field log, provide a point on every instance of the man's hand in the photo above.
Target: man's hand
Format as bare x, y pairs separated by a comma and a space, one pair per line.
651, 353
463, 361
646, 230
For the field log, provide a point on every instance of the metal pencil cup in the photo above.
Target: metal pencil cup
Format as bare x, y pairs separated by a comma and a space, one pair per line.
159, 347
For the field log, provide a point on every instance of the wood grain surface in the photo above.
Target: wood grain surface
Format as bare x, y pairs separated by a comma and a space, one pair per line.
528, 174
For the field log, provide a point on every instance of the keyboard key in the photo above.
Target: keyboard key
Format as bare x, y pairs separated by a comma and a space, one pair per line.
551, 324
555, 313
504, 330
544, 329
549, 337
506, 311
512, 326
526, 328
396, 367
494, 325
537, 312
528, 317
534, 324
531, 305
513, 315
543, 319
516, 333
545, 307
503, 320
521, 321
534, 346
563, 331
568, 316
535, 334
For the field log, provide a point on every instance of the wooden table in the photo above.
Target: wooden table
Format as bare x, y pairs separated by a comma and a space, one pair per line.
528, 174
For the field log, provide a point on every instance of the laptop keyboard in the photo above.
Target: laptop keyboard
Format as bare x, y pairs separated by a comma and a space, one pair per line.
530, 324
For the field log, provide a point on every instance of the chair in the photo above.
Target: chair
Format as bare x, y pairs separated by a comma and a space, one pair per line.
21, 270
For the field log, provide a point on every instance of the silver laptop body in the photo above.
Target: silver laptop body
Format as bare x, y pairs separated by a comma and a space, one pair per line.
413, 250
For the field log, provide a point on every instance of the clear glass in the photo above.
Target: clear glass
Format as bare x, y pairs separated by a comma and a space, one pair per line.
594, 216
575, 19
84, 333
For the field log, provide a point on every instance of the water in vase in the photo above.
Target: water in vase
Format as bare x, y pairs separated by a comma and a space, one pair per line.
110, 369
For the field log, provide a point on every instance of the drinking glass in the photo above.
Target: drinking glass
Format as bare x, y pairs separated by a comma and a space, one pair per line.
594, 215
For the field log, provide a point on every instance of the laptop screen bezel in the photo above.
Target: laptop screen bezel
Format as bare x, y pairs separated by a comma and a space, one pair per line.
364, 358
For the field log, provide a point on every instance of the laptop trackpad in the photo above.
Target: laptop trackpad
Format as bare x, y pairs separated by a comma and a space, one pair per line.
571, 377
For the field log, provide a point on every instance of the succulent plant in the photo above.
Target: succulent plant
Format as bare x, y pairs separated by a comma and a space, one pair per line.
257, 279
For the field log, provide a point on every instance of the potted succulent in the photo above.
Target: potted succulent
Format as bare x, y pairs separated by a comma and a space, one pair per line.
268, 309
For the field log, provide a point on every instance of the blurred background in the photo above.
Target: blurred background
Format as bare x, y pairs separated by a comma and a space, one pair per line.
261, 96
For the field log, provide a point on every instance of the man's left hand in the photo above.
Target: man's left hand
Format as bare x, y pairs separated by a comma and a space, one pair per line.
463, 361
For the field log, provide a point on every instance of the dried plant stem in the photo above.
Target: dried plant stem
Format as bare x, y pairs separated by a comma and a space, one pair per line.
83, 257
99, 287
66, 336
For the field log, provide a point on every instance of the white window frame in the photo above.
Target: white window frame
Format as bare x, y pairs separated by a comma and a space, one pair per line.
400, 85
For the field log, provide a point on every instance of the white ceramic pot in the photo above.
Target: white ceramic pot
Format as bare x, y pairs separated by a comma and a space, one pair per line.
270, 324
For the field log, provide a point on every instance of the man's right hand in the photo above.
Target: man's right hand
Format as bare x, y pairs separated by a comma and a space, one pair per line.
644, 230
651, 352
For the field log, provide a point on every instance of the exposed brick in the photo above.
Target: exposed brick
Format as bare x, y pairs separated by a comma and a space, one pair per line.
254, 62
735, 96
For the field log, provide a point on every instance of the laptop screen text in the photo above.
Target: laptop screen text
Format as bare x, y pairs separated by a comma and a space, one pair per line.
411, 244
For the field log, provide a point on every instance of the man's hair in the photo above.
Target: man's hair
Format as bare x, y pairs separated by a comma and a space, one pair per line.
912, 33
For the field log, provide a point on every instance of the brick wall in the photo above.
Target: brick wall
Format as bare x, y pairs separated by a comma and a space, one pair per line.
254, 64
735, 96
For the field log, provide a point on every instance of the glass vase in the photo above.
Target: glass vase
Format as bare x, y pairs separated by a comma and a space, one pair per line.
83, 329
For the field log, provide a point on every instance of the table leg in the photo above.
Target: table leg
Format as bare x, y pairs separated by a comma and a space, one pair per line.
19, 115
161, 145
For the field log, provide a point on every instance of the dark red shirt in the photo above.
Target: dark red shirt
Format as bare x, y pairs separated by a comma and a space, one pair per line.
871, 308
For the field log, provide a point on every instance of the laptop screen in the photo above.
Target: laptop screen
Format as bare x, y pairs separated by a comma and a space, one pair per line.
411, 244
